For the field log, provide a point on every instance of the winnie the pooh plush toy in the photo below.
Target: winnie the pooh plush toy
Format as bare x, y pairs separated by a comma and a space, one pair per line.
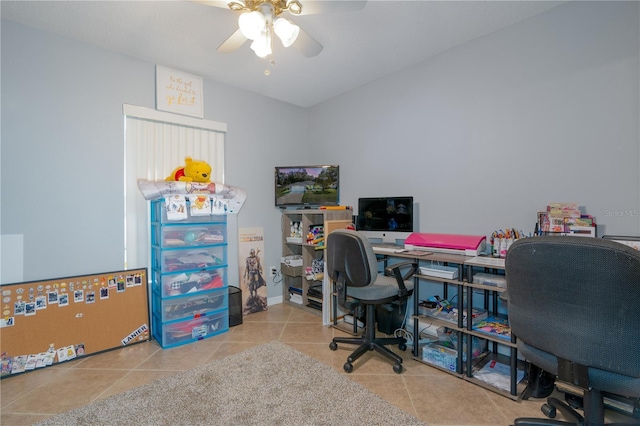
192, 171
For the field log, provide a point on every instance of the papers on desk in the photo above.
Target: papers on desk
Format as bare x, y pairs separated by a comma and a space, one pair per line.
415, 252
387, 249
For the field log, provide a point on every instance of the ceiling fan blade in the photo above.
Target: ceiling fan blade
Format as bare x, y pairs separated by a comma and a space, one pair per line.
214, 3
232, 43
313, 7
306, 45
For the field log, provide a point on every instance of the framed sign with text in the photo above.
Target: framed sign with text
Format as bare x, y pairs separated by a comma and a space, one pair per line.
178, 92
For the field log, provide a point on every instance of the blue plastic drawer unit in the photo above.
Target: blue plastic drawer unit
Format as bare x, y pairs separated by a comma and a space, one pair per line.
189, 273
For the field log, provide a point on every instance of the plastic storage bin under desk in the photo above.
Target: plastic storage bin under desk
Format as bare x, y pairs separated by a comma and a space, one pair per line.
188, 259
188, 235
190, 330
188, 306
189, 282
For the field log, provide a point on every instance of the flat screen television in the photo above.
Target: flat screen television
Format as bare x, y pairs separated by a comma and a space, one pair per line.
309, 186
387, 219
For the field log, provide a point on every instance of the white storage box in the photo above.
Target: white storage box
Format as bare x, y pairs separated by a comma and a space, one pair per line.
490, 279
440, 271
291, 260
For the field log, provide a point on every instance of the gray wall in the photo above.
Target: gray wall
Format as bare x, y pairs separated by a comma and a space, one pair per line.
482, 136
63, 149
488, 133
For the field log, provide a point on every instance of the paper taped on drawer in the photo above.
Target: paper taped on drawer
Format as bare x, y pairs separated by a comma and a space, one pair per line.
490, 279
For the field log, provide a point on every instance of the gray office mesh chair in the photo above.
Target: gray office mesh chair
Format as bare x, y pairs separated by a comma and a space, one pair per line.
353, 267
574, 306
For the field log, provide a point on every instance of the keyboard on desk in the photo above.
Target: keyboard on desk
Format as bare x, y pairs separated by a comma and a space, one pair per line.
386, 248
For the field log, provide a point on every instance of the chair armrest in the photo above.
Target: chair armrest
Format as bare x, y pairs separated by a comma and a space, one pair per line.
395, 270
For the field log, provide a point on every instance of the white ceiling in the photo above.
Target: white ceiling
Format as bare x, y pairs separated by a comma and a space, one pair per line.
359, 46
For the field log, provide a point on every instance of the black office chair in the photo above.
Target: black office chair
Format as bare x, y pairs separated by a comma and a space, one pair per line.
574, 306
353, 267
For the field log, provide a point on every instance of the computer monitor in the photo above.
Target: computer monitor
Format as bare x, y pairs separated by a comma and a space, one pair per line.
386, 219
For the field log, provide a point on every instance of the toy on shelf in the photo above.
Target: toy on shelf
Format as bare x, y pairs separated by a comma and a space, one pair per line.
192, 171
315, 234
296, 232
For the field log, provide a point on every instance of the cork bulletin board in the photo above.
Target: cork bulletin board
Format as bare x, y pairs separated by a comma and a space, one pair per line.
55, 320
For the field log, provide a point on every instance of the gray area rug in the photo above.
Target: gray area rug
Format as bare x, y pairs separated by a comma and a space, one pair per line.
270, 384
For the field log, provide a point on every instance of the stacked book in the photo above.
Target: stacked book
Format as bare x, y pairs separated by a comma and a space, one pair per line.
494, 326
295, 295
314, 296
565, 219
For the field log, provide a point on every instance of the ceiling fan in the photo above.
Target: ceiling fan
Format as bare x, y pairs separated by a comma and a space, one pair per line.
260, 20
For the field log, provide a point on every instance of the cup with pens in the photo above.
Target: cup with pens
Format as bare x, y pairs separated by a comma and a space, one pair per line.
501, 241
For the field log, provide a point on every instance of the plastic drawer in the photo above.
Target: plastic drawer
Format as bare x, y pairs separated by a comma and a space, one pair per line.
490, 279
188, 259
190, 235
441, 356
188, 306
190, 330
189, 283
159, 214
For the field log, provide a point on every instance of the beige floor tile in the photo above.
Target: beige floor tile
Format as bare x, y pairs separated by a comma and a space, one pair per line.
72, 388
11, 419
135, 379
12, 388
434, 396
306, 332
125, 358
298, 315
390, 387
255, 332
276, 313
180, 358
452, 400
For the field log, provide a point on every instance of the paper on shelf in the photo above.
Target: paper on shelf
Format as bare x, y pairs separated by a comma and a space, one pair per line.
498, 375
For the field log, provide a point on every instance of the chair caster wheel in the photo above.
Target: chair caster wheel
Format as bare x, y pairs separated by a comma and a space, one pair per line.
348, 367
402, 347
333, 346
548, 411
397, 368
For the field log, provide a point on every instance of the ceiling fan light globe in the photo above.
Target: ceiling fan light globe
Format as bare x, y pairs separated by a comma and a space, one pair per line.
286, 31
262, 45
251, 24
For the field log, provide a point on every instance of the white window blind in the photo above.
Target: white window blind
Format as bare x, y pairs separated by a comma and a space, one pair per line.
156, 143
